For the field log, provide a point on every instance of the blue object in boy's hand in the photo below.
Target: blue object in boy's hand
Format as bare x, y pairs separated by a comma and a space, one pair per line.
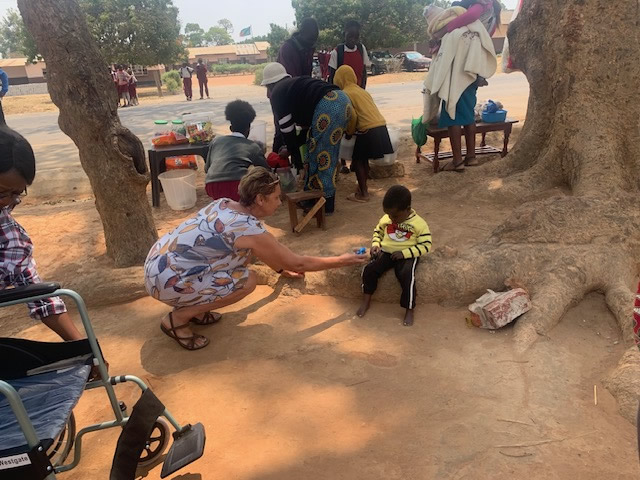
361, 251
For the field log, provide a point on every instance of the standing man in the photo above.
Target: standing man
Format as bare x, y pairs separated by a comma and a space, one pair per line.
186, 72
296, 53
352, 53
201, 73
4, 88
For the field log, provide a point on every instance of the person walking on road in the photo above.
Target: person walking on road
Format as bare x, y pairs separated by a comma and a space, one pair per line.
186, 72
4, 88
201, 73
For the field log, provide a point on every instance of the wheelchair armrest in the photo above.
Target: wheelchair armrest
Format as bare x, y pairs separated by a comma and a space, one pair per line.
19, 293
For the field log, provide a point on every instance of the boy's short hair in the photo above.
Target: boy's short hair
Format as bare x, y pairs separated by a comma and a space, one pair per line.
352, 24
240, 114
397, 197
16, 154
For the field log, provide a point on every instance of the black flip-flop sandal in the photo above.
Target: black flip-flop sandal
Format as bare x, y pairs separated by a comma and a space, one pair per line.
209, 318
188, 343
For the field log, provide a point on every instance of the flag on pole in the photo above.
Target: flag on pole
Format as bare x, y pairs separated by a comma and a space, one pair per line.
246, 32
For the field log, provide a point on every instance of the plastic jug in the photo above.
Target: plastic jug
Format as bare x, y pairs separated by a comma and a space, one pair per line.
346, 148
258, 132
179, 188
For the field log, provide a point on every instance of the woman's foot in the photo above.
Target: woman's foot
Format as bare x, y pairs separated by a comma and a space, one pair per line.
471, 162
364, 306
181, 332
344, 169
357, 197
408, 318
208, 318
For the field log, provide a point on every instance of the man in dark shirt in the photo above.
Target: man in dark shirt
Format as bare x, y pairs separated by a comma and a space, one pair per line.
296, 53
201, 73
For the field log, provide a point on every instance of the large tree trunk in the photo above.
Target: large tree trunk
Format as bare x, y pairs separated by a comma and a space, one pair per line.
112, 157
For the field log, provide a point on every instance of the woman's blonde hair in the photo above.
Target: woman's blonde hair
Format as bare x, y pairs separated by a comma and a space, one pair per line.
257, 181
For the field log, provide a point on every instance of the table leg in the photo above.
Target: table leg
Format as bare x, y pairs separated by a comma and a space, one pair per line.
293, 214
507, 134
436, 151
417, 154
155, 182
483, 143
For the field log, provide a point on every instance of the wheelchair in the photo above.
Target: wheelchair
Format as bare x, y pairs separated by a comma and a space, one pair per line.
41, 383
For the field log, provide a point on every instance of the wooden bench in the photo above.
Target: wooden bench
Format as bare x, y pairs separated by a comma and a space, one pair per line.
481, 127
293, 200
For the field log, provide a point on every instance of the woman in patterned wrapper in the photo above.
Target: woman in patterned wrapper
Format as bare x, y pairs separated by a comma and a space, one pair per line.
201, 265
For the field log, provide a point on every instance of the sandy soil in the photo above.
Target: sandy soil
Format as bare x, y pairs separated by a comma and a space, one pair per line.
296, 387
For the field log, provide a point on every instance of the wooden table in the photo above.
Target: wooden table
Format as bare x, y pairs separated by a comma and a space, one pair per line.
157, 164
481, 127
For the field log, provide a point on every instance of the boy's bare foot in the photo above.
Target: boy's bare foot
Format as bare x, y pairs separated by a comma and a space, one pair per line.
408, 318
364, 306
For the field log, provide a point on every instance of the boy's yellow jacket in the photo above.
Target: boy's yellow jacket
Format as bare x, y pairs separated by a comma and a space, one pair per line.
411, 237
365, 114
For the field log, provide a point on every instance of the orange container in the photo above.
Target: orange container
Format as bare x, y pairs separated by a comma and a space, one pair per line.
181, 162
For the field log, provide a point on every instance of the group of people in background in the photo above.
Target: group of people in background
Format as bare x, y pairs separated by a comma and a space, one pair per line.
126, 84
186, 73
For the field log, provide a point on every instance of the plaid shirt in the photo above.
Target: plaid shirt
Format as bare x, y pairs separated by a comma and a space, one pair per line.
17, 267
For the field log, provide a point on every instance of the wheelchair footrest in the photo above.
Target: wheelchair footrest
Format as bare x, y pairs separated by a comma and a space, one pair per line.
188, 446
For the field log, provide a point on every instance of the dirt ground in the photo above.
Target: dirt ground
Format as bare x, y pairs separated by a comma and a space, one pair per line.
297, 387
42, 102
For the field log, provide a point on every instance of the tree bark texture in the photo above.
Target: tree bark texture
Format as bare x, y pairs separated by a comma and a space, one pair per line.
112, 157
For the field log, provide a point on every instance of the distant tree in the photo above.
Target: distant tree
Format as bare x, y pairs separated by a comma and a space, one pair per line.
257, 38
140, 32
384, 23
226, 24
276, 38
14, 37
217, 36
194, 35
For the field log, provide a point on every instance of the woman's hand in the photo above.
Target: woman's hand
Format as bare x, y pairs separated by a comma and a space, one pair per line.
440, 33
348, 259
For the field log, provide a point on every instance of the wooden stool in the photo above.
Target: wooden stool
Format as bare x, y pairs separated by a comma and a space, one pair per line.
316, 211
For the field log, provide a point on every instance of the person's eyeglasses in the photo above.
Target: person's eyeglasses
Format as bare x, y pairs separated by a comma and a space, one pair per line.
4, 195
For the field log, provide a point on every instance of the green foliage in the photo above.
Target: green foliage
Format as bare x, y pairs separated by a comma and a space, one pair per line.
257, 38
194, 35
259, 74
276, 38
218, 36
141, 32
171, 80
14, 37
385, 23
233, 68
226, 24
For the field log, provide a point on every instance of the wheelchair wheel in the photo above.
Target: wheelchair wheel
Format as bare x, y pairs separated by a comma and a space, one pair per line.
62, 445
157, 442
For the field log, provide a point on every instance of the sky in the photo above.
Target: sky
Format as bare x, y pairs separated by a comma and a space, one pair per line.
243, 13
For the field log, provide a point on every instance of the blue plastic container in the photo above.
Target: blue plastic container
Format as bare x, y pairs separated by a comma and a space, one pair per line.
497, 117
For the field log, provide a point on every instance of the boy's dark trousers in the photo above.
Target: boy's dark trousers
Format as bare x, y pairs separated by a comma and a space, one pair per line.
405, 273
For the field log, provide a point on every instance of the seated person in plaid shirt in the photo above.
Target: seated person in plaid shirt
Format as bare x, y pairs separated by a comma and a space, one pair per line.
17, 267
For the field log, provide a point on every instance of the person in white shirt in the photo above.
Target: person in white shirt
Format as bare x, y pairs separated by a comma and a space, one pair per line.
186, 72
352, 53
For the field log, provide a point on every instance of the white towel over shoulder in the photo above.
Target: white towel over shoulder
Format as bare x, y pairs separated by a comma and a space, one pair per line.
464, 54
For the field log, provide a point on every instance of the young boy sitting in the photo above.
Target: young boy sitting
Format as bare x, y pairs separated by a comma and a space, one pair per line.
17, 267
399, 240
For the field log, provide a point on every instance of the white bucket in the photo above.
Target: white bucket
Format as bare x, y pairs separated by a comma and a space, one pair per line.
258, 132
388, 159
346, 148
179, 188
